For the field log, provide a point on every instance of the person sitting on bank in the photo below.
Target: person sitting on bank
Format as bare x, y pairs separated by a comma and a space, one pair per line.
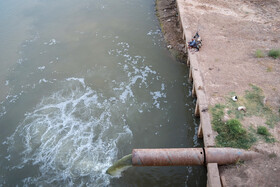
196, 42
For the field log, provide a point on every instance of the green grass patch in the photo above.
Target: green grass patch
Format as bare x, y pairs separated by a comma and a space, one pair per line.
230, 133
262, 130
274, 53
259, 53
253, 101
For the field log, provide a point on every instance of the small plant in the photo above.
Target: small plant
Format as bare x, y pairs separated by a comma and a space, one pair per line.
274, 53
240, 162
272, 155
259, 54
262, 130
269, 69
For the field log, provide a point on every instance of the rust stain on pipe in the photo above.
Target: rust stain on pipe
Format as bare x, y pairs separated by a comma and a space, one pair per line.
228, 155
167, 157
189, 156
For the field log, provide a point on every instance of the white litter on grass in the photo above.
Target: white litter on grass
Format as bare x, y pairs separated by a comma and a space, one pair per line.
243, 108
234, 98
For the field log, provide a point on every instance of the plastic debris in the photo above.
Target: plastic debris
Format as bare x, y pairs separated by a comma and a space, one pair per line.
169, 46
234, 98
243, 108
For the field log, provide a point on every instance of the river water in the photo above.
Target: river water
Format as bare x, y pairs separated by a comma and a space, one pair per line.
83, 82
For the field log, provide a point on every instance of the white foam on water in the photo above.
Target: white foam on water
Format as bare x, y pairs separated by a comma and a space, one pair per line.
152, 32
2, 110
137, 74
41, 68
72, 137
13, 98
162, 86
51, 42
81, 80
35, 37
156, 96
20, 61
156, 36
44, 81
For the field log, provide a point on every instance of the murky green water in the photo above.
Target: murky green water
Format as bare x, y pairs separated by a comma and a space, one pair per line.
82, 84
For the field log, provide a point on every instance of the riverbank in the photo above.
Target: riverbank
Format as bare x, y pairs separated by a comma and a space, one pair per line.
168, 16
237, 37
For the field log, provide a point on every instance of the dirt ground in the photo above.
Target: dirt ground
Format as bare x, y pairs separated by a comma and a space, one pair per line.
232, 31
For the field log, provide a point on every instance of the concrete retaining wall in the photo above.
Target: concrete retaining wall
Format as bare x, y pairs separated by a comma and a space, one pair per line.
201, 109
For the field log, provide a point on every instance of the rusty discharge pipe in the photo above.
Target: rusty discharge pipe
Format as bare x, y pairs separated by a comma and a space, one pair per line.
190, 156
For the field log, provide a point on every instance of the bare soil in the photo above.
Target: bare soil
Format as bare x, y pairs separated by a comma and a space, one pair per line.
232, 31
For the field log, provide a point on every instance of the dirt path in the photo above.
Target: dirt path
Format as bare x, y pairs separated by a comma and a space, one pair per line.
232, 31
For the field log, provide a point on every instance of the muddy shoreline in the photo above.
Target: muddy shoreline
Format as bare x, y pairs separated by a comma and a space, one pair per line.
167, 14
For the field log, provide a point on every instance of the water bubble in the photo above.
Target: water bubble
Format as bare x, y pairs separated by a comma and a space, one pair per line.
70, 135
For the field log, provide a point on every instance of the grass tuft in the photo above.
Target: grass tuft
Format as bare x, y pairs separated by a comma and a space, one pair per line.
272, 155
230, 133
262, 130
259, 54
269, 69
274, 53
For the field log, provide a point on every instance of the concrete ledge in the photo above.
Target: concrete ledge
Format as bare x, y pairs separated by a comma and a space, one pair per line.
213, 175
201, 109
208, 137
198, 86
